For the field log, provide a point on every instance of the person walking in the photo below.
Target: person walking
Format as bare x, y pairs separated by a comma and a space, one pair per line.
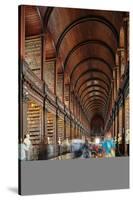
28, 145
22, 150
86, 150
108, 145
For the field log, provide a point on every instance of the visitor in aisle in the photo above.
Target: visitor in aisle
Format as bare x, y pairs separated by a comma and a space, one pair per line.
28, 145
22, 150
86, 153
109, 145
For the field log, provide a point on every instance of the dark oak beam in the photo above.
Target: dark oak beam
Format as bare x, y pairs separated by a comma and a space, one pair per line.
87, 42
91, 58
92, 18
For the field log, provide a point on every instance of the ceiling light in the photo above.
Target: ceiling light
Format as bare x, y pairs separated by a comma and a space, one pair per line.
97, 140
95, 82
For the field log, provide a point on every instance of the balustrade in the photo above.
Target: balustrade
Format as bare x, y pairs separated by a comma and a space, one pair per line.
31, 77
34, 82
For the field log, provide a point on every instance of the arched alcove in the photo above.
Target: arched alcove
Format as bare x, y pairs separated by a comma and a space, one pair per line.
97, 125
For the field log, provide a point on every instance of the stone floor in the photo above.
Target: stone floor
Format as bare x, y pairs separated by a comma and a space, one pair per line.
67, 156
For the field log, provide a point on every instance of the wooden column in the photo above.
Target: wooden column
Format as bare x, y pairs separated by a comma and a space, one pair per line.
49, 75
77, 130
114, 83
123, 61
72, 99
117, 71
21, 59
24, 121
117, 145
55, 78
80, 132
112, 92
123, 124
42, 57
57, 126
126, 31
114, 124
63, 87
44, 119
78, 111
64, 127
74, 131
70, 128
69, 98
80, 114
74, 104
66, 95
21, 34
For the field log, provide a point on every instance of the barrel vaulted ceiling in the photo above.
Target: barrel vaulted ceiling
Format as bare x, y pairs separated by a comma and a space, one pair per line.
85, 41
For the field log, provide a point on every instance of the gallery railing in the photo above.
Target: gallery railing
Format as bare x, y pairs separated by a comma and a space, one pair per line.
60, 104
67, 111
49, 93
30, 77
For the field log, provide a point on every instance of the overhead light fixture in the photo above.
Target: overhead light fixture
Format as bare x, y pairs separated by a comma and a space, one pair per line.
95, 82
97, 140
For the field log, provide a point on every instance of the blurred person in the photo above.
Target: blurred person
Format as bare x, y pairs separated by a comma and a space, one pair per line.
28, 145
76, 147
59, 147
108, 145
86, 153
43, 152
22, 150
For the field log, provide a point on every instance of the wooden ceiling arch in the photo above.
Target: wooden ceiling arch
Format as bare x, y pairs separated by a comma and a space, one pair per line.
94, 89
95, 112
92, 79
91, 50
100, 19
96, 109
92, 71
99, 100
94, 98
87, 42
90, 58
85, 56
33, 24
91, 92
95, 105
46, 17
93, 86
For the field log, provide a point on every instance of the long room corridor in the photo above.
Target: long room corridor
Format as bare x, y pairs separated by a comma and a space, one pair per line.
74, 82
